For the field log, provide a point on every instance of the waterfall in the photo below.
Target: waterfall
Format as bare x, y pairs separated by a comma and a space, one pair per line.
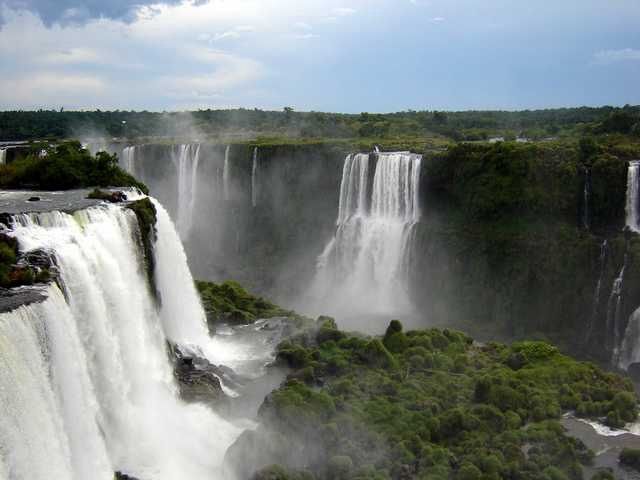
363, 269
595, 307
614, 306
85, 383
226, 173
633, 192
186, 159
128, 159
586, 196
254, 178
3, 156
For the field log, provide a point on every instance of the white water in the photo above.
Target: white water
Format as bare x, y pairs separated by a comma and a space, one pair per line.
362, 269
86, 387
3, 156
186, 159
225, 174
254, 178
128, 159
633, 196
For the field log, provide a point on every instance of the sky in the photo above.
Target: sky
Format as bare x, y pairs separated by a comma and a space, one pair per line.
324, 55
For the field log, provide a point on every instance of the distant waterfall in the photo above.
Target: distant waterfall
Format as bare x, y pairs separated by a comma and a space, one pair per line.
186, 159
614, 307
595, 307
226, 173
86, 387
633, 196
254, 178
363, 268
128, 160
3, 156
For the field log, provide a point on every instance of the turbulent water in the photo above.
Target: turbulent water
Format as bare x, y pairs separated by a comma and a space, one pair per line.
254, 178
633, 196
186, 159
86, 387
362, 269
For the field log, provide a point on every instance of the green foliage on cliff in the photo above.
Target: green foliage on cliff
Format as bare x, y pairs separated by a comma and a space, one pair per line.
63, 167
431, 404
11, 273
146, 214
229, 302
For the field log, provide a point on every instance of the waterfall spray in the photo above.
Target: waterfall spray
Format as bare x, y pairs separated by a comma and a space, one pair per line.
85, 382
226, 173
254, 178
364, 268
633, 196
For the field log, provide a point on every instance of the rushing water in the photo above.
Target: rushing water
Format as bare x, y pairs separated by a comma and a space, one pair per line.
3, 156
86, 387
633, 196
186, 159
254, 178
226, 172
362, 269
128, 159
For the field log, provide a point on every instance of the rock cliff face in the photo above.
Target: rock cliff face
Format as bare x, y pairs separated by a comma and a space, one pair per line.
514, 240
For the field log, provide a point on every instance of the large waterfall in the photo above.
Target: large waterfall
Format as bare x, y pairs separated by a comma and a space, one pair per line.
633, 196
254, 178
186, 159
362, 269
86, 386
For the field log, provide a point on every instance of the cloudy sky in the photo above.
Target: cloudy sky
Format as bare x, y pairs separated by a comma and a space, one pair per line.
328, 55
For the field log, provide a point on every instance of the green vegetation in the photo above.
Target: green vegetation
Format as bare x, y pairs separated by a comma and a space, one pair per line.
243, 123
11, 273
229, 302
431, 404
630, 457
145, 212
63, 167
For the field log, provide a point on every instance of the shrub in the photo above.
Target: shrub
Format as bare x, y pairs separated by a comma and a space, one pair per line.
630, 457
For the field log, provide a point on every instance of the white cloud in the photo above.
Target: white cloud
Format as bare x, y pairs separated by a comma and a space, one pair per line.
343, 11
304, 36
49, 88
613, 56
302, 26
437, 19
73, 55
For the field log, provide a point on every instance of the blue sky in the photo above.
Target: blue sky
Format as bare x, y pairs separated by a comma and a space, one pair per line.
329, 55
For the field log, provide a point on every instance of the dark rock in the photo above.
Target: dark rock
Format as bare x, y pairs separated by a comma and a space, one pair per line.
199, 379
123, 476
33, 199
634, 372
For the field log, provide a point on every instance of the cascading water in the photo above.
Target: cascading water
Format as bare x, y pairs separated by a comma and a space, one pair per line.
362, 269
614, 310
595, 307
86, 386
186, 159
128, 159
254, 178
3, 156
633, 196
226, 173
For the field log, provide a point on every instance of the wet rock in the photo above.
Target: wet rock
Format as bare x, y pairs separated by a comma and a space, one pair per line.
634, 372
116, 196
33, 199
12, 298
123, 476
200, 380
